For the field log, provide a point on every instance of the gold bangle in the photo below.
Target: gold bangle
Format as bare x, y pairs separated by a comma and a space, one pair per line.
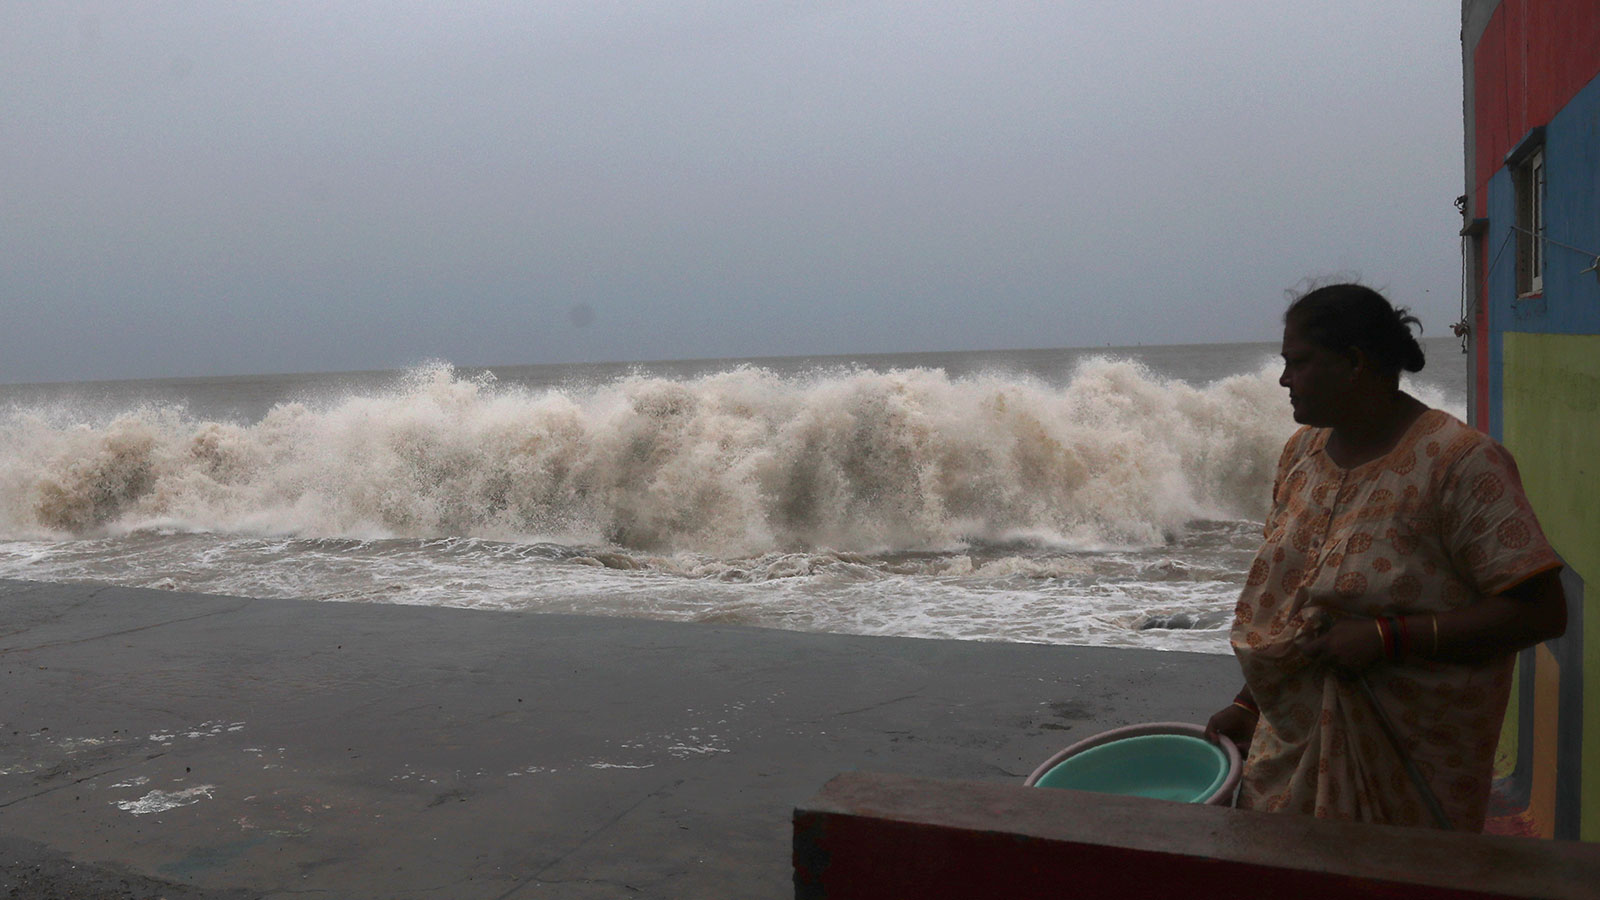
1240, 704
1435, 619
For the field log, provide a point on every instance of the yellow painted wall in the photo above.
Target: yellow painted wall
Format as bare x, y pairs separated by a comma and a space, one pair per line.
1550, 395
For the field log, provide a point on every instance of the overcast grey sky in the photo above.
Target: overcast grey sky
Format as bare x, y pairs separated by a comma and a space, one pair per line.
212, 188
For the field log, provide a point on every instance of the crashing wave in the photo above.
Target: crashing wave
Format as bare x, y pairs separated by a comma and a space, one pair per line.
735, 464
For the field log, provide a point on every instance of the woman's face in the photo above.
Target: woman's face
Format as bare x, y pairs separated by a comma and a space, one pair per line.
1320, 381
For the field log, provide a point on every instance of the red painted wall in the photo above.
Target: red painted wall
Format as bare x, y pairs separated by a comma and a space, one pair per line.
1534, 56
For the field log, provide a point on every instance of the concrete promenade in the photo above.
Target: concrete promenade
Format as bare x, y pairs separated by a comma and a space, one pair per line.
158, 744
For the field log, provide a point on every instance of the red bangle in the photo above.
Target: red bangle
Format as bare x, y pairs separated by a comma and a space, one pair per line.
1385, 638
1403, 643
1248, 704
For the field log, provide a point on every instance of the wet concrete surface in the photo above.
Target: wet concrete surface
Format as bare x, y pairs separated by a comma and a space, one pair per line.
190, 746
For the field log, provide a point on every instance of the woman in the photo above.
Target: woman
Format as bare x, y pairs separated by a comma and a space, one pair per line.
1402, 567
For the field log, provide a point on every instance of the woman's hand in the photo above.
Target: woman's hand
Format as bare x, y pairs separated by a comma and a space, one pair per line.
1349, 646
1235, 723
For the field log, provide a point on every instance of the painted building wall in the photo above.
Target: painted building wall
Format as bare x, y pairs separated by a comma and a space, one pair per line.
1532, 78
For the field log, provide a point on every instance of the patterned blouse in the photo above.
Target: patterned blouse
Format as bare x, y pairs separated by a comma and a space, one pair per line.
1435, 524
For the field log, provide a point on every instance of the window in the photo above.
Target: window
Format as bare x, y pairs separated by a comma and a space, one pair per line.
1529, 181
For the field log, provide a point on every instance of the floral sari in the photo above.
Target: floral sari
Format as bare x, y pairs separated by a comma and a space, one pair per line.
1437, 523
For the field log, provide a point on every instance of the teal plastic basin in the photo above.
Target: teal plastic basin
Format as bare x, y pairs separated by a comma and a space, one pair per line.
1163, 766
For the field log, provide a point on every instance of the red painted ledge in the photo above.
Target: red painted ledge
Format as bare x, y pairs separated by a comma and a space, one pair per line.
886, 836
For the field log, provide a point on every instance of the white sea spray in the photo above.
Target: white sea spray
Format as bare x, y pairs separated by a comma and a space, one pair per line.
733, 464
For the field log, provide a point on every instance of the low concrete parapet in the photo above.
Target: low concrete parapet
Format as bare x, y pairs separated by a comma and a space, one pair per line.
886, 836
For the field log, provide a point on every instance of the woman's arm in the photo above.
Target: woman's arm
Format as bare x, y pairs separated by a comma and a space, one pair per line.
1528, 613
1532, 611
1236, 721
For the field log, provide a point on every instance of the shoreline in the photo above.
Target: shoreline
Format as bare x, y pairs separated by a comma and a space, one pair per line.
234, 747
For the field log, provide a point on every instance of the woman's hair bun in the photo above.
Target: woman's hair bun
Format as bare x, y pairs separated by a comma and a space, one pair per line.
1341, 316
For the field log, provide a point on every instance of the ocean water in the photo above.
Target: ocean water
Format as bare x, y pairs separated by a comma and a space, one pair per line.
1104, 496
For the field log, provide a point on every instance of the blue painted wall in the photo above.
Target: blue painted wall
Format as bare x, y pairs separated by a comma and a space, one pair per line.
1571, 300
1572, 155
